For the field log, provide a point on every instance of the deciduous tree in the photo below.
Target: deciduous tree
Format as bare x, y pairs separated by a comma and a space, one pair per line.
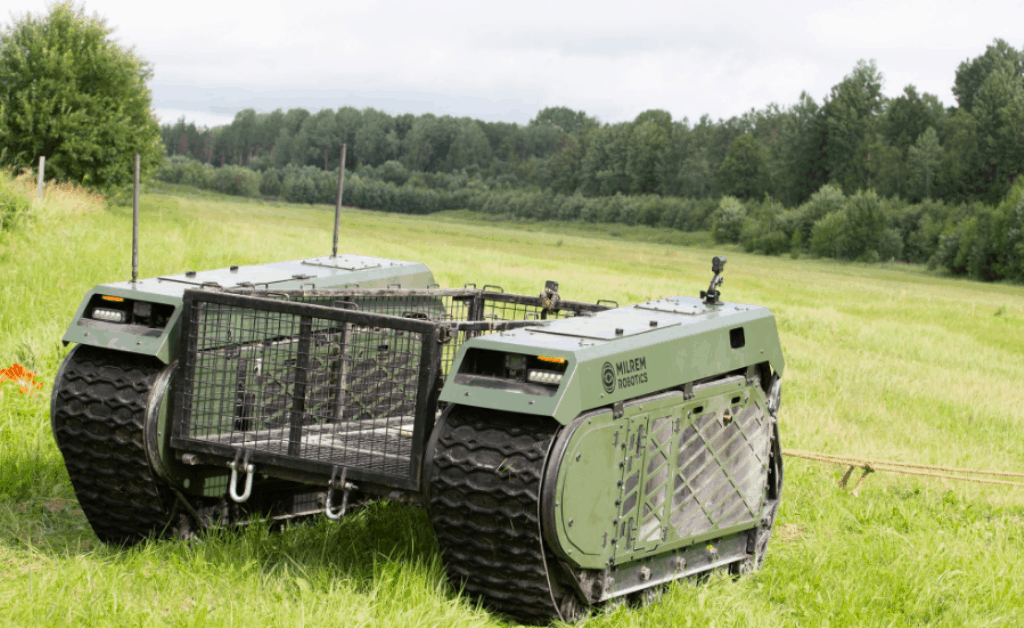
70, 92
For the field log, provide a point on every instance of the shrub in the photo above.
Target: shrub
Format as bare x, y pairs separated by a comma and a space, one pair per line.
234, 180
826, 235
728, 221
864, 227
826, 200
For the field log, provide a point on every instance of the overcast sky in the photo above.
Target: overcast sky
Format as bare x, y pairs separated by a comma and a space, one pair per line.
506, 61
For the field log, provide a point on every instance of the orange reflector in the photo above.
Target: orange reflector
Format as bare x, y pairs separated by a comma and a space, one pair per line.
544, 358
117, 299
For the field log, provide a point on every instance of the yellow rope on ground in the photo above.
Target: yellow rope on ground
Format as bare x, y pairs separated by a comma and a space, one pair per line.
902, 468
860, 462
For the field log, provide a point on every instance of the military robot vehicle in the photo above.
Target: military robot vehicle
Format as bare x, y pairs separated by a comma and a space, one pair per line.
570, 455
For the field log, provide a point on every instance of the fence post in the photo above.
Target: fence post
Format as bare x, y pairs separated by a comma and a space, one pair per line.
42, 171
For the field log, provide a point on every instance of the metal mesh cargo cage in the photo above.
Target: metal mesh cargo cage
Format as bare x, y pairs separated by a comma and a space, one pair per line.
310, 382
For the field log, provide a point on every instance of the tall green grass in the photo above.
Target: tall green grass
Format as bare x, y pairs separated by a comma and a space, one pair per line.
882, 361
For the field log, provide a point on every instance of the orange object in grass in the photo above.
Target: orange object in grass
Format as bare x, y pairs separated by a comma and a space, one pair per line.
24, 378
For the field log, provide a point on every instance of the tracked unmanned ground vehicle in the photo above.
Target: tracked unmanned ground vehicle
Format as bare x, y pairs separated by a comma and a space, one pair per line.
569, 454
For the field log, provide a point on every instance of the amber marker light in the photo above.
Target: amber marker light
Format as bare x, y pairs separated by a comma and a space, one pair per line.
115, 299
545, 358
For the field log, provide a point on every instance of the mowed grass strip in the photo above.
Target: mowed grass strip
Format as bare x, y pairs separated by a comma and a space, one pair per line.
889, 362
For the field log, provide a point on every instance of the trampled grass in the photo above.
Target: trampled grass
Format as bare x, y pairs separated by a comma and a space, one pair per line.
887, 362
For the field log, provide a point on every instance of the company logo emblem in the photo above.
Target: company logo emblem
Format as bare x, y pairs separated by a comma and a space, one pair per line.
608, 377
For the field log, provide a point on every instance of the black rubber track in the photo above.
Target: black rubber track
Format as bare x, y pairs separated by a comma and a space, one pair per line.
99, 418
485, 488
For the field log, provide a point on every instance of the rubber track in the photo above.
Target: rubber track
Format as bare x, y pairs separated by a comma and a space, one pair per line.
485, 487
99, 423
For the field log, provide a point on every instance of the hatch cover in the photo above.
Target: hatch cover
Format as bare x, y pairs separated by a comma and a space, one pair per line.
605, 328
226, 278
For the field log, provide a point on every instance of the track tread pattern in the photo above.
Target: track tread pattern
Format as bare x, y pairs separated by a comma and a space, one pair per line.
99, 424
485, 488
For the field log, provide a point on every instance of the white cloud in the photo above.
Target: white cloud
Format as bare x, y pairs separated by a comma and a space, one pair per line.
505, 62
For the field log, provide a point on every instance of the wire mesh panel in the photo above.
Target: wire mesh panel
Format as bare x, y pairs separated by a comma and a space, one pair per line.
326, 387
721, 471
439, 306
693, 468
514, 307
327, 379
448, 306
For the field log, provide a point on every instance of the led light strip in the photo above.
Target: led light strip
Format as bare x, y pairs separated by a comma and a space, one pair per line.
544, 377
112, 316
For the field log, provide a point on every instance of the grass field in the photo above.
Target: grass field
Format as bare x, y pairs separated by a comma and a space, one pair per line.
888, 362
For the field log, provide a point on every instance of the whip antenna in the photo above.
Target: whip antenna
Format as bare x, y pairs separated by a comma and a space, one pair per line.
135, 224
337, 209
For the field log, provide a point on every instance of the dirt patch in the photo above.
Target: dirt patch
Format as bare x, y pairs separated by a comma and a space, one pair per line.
789, 532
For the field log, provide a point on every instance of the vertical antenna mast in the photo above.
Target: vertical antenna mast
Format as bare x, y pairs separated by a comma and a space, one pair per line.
135, 224
337, 210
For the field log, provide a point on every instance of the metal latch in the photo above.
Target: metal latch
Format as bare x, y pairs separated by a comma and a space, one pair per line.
344, 485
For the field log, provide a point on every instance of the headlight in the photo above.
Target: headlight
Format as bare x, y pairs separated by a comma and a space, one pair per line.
544, 377
112, 316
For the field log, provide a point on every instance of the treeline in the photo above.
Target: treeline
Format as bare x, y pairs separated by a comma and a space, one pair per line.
855, 138
392, 187
970, 238
856, 176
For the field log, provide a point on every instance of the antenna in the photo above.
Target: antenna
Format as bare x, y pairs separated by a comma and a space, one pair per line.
337, 210
135, 224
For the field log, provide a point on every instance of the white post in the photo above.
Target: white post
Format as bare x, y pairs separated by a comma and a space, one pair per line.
42, 169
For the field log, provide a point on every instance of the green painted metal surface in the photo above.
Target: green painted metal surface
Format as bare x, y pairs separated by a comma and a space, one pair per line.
626, 353
318, 272
668, 473
312, 273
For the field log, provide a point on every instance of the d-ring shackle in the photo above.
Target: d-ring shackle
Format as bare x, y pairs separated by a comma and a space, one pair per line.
233, 483
346, 486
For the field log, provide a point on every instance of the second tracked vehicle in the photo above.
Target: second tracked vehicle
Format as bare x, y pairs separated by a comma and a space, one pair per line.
569, 454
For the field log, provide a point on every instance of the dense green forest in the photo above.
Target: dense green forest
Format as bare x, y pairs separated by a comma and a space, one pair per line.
856, 176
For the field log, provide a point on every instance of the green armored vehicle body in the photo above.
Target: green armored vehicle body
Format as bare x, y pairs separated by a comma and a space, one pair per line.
111, 406
569, 454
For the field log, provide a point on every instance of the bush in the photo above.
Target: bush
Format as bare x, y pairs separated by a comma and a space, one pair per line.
392, 172
864, 228
183, 170
826, 235
234, 180
764, 228
727, 222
